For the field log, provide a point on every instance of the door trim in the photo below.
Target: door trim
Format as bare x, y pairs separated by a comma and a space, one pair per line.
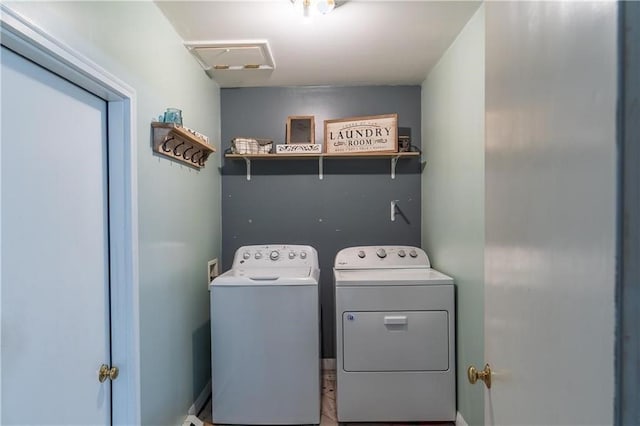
627, 410
32, 42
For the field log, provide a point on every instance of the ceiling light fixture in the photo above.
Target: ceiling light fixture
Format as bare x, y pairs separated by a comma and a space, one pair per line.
309, 7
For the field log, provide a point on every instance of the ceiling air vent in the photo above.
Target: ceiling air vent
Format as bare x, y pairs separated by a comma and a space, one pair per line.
232, 55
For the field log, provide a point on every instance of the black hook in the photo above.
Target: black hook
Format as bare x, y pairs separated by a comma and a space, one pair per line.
193, 157
165, 146
175, 149
184, 153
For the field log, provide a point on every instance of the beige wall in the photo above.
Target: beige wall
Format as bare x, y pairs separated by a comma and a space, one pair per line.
453, 192
179, 207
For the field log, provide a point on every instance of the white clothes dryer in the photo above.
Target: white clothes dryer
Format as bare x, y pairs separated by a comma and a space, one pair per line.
265, 338
395, 328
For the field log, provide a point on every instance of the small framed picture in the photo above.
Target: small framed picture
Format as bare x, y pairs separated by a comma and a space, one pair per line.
301, 129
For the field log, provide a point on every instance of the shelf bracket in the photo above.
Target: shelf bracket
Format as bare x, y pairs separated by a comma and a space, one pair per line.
320, 168
248, 163
394, 161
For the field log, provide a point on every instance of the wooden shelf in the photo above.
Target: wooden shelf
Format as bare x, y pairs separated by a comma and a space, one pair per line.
364, 155
393, 156
178, 143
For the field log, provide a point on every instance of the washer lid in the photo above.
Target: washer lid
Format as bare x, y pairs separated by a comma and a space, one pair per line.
272, 273
379, 277
267, 276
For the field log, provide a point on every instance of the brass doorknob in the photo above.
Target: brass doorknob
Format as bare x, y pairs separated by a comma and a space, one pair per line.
107, 373
485, 375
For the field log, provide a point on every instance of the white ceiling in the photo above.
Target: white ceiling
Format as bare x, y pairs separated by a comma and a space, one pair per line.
360, 42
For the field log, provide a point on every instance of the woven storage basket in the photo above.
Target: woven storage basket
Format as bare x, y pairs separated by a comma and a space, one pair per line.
251, 146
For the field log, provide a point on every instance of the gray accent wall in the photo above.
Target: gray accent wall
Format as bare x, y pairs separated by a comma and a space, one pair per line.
286, 202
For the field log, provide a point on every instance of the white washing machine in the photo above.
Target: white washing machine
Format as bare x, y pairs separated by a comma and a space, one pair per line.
395, 327
265, 337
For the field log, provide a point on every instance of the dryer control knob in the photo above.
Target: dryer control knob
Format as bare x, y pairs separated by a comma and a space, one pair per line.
246, 255
413, 253
402, 253
303, 255
381, 253
274, 255
258, 255
361, 254
292, 255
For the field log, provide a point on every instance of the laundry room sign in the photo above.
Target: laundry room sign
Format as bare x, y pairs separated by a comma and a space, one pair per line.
376, 133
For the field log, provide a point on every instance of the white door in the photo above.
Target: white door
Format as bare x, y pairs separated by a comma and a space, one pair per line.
550, 212
55, 249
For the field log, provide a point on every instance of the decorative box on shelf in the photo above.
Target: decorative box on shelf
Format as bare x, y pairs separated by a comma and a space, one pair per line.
181, 144
299, 148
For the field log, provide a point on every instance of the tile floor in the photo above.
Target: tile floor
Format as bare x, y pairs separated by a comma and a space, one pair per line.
329, 416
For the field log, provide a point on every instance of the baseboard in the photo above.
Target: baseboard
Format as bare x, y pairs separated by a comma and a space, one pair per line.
328, 364
201, 400
192, 420
460, 421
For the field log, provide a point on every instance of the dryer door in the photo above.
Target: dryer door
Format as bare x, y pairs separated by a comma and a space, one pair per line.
396, 341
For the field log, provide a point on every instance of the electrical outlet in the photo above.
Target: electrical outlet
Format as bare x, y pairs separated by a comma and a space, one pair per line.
212, 270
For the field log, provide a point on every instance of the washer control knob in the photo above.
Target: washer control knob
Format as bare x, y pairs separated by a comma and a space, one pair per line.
274, 255
361, 254
303, 255
246, 255
292, 255
401, 253
381, 253
413, 253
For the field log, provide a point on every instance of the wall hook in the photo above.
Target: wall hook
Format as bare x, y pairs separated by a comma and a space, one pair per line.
175, 149
165, 145
393, 210
184, 153
193, 157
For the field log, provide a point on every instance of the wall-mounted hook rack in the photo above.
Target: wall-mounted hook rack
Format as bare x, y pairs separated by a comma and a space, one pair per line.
180, 144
